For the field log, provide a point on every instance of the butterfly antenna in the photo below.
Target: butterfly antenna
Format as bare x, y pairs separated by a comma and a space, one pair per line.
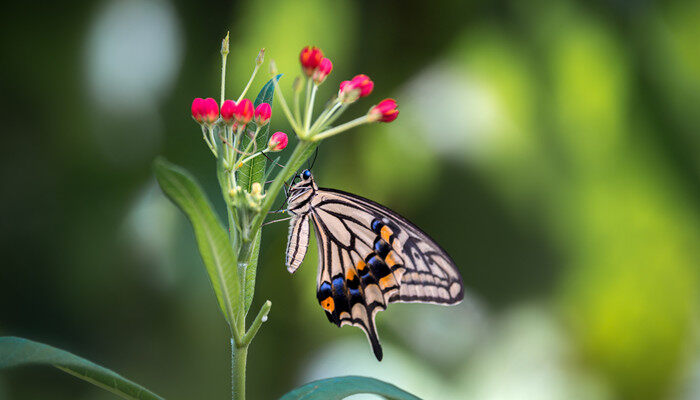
276, 220
273, 161
315, 157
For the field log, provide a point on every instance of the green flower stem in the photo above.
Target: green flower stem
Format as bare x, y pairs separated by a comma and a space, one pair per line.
298, 156
310, 107
255, 326
250, 157
340, 128
285, 108
224, 55
252, 142
323, 119
250, 81
297, 112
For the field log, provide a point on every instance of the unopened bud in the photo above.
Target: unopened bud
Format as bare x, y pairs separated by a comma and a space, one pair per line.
273, 67
385, 111
260, 58
278, 141
224, 45
256, 189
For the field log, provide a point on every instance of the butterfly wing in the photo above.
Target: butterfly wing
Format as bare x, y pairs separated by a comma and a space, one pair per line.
370, 256
297, 241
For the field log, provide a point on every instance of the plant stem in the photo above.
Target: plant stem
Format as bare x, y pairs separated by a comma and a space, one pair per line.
224, 54
285, 108
239, 355
310, 107
250, 81
298, 156
340, 128
261, 317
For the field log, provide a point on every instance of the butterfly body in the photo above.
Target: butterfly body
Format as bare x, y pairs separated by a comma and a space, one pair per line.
369, 256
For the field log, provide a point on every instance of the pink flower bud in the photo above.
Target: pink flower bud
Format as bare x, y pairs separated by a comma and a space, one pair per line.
324, 68
228, 109
310, 58
262, 114
278, 141
348, 93
244, 111
205, 111
197, 112
385, 111
363, 83
211, 110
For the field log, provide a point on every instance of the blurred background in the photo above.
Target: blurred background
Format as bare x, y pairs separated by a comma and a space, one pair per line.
551, 148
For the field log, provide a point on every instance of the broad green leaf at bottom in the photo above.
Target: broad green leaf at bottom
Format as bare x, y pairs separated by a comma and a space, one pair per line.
212, 239
15, 352
344, 386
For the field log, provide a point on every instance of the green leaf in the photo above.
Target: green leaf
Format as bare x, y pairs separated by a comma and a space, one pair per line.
15, 352
344, 386
251, 272
254, 170
212, 240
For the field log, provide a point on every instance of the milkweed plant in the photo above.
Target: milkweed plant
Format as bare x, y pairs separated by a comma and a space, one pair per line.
237, 133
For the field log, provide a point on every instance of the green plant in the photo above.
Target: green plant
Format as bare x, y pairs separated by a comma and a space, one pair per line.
238, 137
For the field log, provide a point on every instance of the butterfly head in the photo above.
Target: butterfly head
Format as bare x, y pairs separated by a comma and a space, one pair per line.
301, 192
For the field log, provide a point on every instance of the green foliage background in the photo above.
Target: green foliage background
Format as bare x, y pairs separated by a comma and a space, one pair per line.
552, 149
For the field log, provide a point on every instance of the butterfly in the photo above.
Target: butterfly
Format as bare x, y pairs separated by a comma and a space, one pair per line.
369, 256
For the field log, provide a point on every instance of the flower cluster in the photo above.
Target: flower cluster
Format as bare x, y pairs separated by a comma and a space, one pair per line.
232, 114
231, 131
316, 68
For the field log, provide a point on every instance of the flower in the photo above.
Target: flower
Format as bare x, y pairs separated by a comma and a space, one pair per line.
310, 58
244, 111
359, 86
205, 111
262, 114
228, 109
385, 111
363, 83
278, 141
321, 72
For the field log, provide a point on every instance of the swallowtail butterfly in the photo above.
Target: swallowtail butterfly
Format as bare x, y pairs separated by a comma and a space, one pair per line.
369, 256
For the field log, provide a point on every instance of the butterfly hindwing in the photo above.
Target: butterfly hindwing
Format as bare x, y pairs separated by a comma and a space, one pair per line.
370, 256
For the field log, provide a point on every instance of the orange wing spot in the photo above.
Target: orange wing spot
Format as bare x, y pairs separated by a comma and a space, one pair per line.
395, 243
386, 233
350, 275
361, 265
387, 281
390, 260
328, 304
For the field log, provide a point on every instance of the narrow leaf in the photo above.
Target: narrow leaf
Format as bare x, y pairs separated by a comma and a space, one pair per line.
251, 272
254, 171
15, 352
212, 240
344, 386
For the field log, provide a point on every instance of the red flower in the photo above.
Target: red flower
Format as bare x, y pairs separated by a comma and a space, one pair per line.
310, 58
359, 86
244, 111
278, 141
262, 114
228, 109
324, 68
385, 111
363, 83
205, 111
